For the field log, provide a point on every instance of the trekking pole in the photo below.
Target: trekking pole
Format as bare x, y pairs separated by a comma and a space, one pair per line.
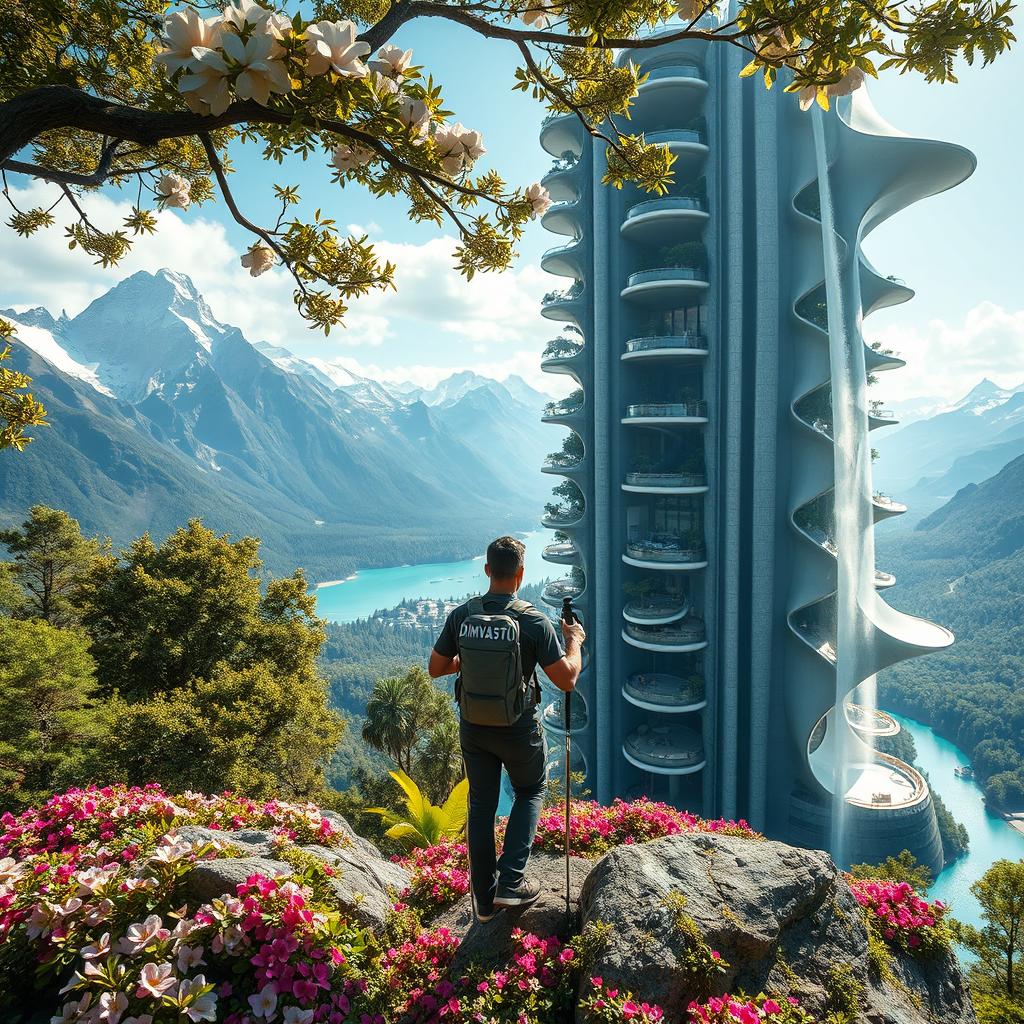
567, 616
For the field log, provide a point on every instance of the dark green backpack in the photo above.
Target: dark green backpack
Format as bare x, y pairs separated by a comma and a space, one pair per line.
491, 689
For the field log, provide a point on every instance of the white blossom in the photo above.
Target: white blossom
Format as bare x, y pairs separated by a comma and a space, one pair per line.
296, 1015
850, 82
264, 1002
415, 115
348, 158
538, 14
245, 14
258, 259
392, 61
190, 956
332, 46
112, 1006
183, 31
205, 87
143, 934
100, 948
539, 199
260, 74
382, 85
458, 147
173, 190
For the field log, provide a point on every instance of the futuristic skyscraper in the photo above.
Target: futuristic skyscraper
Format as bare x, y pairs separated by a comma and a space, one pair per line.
715, 505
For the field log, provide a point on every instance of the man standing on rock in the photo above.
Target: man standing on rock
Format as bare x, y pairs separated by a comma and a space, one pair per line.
494, 644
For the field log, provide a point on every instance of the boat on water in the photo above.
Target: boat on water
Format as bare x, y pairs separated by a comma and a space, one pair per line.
964, 772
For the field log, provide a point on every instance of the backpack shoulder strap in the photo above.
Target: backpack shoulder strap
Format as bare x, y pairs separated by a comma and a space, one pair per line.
475, 605
518, 605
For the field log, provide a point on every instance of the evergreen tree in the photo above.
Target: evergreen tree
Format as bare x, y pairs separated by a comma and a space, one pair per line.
48, 721
50, 560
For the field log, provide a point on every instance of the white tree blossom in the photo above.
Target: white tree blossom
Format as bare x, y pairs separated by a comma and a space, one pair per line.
260, 75
415, 115
332, 46
258, 259
348, 158
392, 61
205, 87
539, 198
183, 31
173, 190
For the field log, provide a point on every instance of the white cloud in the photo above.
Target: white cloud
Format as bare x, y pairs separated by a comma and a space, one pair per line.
946, 360
433, 306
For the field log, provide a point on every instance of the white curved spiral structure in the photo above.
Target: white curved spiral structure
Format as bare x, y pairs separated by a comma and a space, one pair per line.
866, 172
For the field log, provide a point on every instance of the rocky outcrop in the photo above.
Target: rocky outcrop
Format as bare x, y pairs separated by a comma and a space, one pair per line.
783, 918
365, 883
489, 943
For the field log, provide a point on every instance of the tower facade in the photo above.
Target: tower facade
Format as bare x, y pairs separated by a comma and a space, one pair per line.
714, 504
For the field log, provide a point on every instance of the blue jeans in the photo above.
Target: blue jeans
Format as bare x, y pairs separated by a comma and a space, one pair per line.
485, 749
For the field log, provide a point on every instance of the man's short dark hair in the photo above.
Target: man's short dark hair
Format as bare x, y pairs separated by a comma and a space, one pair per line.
505, 557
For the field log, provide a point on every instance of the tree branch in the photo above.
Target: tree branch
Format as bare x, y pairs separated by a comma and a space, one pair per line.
97, 177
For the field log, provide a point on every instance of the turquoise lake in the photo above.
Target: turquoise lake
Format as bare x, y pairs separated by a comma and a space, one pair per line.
373, 589
992, 838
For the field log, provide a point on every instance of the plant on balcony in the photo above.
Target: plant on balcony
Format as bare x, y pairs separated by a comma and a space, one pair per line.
578, 578
561, 347
571, 403
567, 295
808, 201
570, 505
684, 255
816, 408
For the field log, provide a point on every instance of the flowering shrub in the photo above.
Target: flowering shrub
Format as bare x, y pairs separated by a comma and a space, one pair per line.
608, 1005
900, 915
740, 1009
594, 829
440, 875
535, 988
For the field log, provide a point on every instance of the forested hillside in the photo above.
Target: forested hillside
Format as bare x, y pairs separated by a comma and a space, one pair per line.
964, 567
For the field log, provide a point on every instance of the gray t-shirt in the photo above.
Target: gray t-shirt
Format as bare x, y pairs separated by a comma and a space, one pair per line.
538, 641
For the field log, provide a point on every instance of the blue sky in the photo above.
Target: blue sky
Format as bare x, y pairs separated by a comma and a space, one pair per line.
958, 250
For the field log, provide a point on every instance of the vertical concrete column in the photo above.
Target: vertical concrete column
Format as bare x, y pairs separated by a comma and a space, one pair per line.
764, 525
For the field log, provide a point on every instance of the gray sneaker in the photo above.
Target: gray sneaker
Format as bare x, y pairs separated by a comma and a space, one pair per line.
483, 913
525, 894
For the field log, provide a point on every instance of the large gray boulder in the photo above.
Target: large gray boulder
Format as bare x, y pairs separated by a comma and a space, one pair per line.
364, 886
365, 883
784, 918
489, 943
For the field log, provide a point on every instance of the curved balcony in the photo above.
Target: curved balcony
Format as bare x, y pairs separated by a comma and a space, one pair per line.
876, 359
561, 355
561, 465
665, 749
885, 782
665, 221
656, 609
664, 553
661, 691
557, 590
566, 519
871, 721
667, 346
884, 580
664, 287
680, 637
562, 133
553, 716
565, 553
563, 218
564, 260
885, 507
688, 145
666, 483
881, 418
818, 636
562, 305
562, 181
695, 411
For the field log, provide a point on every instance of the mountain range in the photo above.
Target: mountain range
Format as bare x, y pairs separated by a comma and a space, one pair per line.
930, 459
160, 413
